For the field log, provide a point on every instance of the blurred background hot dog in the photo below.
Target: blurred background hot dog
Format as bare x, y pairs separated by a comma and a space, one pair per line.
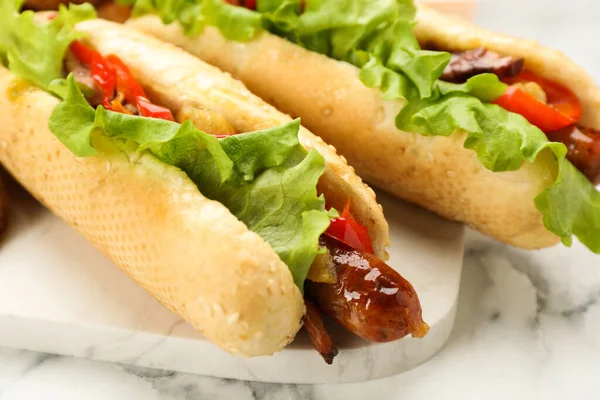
107, 9
44, 5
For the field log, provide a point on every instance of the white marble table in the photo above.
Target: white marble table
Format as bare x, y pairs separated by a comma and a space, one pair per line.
528, 322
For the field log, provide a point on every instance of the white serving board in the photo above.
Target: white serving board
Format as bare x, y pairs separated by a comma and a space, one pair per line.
60, 295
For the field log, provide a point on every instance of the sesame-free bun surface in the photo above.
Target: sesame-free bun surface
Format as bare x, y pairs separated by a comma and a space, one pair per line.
434, 172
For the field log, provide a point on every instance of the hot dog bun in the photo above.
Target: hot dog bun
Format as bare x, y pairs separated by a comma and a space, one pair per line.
149, 218
188, 252
434, 172
178, 80
455, 34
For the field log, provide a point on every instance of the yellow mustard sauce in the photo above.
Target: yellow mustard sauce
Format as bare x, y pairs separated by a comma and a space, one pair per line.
17, 88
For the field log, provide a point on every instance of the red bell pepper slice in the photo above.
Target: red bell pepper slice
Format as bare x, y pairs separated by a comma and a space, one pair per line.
100, 69
347, 230
562, 109
133, 91
112, 74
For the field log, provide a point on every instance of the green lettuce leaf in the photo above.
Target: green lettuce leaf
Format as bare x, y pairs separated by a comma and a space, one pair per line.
485, 87
187, 12
9, 11
34, 50
377, 37
503, 141
265, 178
236, 23
571, 207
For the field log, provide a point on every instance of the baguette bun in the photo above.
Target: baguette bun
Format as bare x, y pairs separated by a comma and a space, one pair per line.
454, 34
150, 219
434, 172
177, 78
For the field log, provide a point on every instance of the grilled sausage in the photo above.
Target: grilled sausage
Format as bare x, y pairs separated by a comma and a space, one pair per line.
584, 149
45, 5
317, 333
466, 64
369, 298
113, 11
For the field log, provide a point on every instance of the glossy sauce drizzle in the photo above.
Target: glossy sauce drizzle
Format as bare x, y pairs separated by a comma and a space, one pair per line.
369, 298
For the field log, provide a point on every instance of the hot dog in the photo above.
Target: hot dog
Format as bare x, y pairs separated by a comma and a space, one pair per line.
318, 334
207, 197
469, 151
369, 298
467, 64
40, 5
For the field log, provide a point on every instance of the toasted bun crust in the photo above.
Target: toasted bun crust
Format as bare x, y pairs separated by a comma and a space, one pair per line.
455, 34
149, 218
175, 78
434, 172
188, 252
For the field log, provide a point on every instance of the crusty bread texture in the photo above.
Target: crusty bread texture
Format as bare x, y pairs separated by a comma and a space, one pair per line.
455, 34
175, 79
150, 219
434, 172
188, 252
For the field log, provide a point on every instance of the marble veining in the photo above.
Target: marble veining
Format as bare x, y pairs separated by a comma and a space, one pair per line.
527, 322
506, 342
66, 298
